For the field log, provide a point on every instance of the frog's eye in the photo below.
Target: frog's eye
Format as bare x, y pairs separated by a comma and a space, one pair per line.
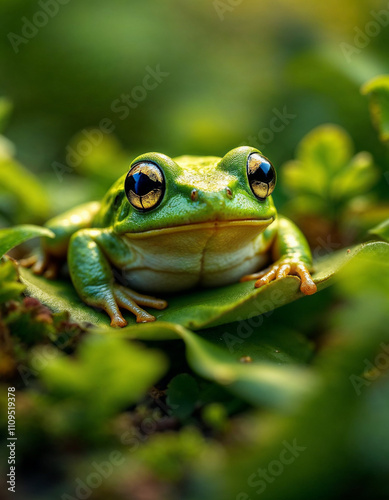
261, 175
145, 185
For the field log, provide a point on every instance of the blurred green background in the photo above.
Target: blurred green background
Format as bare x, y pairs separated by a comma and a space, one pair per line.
228, 70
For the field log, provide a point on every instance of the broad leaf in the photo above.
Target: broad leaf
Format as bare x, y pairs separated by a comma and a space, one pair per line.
343, 416
256, 381
355, 178
382, 230
328, 148
203, 308
10, 238
255, 365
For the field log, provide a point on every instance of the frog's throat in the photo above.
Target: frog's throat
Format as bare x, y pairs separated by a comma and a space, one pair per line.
215, 225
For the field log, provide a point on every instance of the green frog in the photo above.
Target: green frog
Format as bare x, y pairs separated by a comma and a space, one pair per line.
169, 225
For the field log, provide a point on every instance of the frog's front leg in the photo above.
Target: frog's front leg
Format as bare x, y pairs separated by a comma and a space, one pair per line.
91, 252
292, 255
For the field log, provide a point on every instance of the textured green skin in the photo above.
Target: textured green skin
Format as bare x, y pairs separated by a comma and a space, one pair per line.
93, 235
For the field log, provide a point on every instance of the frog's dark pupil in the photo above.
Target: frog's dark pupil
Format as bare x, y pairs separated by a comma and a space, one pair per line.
141, 184
264, 173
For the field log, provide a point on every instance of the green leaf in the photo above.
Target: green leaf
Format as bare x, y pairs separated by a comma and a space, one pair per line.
270, 372
272, 376
108, 374
324, 174
327, 148
182, 395
250, 340
10, 238
378, 91
200, 309
382, 230
338, 421
356, 178
10, 288
258, 382
303, 178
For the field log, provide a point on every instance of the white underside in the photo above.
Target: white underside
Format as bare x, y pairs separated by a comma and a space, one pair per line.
209, 256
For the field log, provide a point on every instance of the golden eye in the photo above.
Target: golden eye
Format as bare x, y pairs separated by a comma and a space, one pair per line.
145, 185
261, 175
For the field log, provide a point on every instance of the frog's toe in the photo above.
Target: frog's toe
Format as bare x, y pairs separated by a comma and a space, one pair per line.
255, 276
308, 287
29, 261
105, 300
281, 270
52, 269
144, 317
40, 264
141, 315
118, 321
262, 277
146, 300
266, 278
131, 300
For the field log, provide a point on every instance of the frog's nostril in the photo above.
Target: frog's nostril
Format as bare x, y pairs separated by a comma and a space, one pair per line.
229, 192
194, 195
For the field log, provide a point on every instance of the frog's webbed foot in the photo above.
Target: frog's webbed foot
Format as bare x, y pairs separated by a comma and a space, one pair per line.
112, 298
283, 268
43, 264
131, 300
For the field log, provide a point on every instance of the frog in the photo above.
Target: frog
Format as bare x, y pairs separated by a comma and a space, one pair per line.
168, 225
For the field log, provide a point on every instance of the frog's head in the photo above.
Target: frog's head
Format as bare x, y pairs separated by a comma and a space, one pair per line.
164, 194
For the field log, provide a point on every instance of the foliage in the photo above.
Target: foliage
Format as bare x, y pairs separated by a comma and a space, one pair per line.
378, 91
326, 175
107, 376
10, 238
234, 392
200, 308
20, 189
382, 230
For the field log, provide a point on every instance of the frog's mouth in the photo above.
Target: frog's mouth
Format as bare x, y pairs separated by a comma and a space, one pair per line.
261, 224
